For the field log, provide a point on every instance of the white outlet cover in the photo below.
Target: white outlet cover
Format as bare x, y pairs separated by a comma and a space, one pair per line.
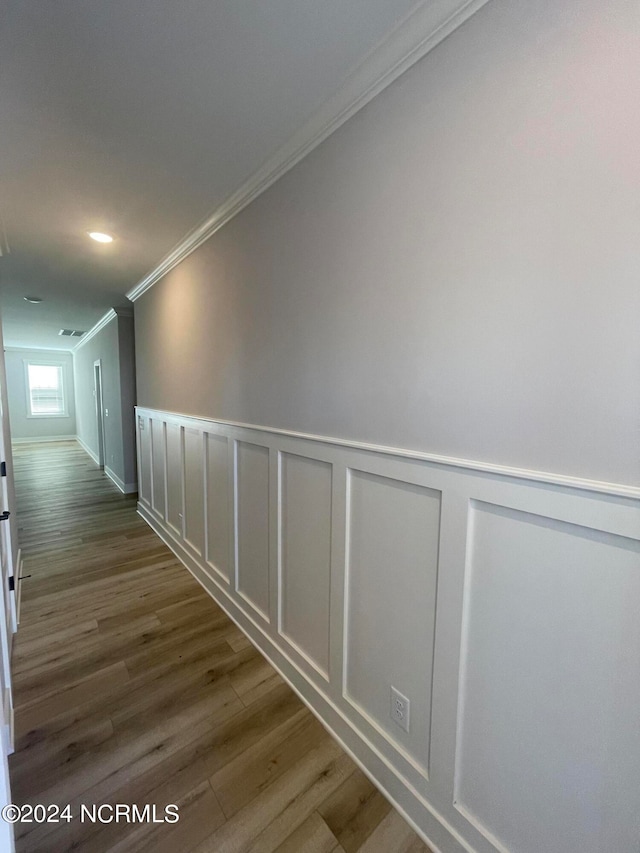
400, 709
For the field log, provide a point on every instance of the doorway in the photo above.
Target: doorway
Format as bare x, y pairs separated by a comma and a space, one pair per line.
97, 393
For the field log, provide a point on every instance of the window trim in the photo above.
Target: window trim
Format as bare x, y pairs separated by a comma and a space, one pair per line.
63, 384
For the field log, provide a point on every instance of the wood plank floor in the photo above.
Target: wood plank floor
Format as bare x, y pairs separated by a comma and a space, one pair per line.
132, 686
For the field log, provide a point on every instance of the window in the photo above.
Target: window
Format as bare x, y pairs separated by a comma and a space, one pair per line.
45, 390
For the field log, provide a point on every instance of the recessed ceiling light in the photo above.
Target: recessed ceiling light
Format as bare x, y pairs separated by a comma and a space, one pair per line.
34, 299
99, 237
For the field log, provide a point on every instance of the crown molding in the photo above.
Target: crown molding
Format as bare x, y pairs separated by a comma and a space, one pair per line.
426, 26
18, 348
111, 314
102, 322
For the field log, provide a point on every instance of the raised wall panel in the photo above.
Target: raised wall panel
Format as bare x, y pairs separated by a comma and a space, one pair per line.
144, 438
157, 443
253, 525
392, 568
305, 527
218, 503
548, 738
193, 490
174, 477
530, 740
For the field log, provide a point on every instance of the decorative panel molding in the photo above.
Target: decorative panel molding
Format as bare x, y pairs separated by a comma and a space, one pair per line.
502, 607
252, 582
194, 492
392, 569
549, 684
144, 458
305, 556
158, 450
174, 477
218, 502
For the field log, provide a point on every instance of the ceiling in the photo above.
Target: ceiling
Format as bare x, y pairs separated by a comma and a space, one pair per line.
140, 119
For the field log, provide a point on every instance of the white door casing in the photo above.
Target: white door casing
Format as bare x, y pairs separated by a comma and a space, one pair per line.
8, 611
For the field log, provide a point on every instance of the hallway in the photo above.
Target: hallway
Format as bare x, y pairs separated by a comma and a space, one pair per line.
132, 686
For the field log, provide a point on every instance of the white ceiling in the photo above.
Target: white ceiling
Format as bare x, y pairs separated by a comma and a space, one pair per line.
140, 118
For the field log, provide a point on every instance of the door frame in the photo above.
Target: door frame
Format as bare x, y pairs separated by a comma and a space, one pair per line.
99, 396
8, 614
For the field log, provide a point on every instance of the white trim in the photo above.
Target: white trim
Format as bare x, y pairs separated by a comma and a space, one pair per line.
87, 450
125, 488
93, 331
18, 575
617, 489
48, 415
425, 27
98, 399
421, 781
37, 439
62, 367
53, 350
111, 314
317, 700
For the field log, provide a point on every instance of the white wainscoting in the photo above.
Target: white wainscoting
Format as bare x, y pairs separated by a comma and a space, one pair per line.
502, 605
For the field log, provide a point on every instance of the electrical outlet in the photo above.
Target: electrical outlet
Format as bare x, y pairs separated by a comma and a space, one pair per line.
400, 709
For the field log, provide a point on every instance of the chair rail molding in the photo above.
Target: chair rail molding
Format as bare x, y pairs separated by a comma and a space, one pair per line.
496, 602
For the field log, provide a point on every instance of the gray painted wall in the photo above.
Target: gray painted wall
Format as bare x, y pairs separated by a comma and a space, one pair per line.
113, 345
103, 346
127, 360
454, 270
23, 426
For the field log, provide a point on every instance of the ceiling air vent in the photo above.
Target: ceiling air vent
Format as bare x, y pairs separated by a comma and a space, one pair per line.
70, 333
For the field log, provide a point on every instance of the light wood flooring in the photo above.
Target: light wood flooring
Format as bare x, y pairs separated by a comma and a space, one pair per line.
132, 686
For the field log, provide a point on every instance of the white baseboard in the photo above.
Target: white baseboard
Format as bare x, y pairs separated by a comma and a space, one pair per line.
433, 827
87, 449
414, 574
39, 439
125, 488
